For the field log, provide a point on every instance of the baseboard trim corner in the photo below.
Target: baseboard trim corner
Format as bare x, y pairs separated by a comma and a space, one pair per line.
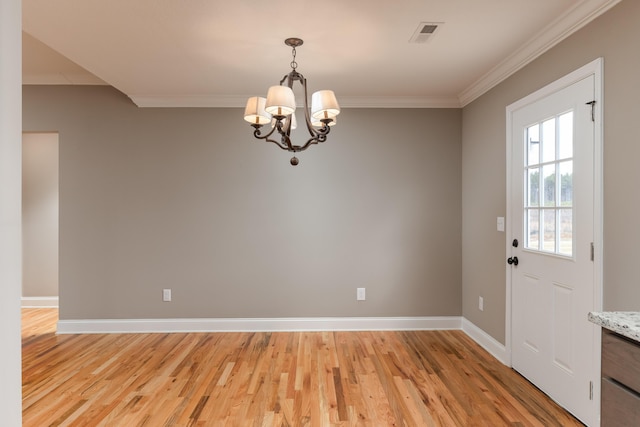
486, 341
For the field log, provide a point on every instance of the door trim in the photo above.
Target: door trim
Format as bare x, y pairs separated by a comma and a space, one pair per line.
594, 68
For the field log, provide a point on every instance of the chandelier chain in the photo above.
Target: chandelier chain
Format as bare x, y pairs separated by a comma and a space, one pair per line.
294, 64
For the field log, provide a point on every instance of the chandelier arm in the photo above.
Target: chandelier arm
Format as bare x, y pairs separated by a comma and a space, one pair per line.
284, 147
285, 135
313, 131
310, 128
258, 135
307, 116
286, 142
285, 78
312, 141
318, 133
279, 144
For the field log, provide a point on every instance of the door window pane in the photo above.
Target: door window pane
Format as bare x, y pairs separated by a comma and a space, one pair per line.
533, 145
549, 140
566, 232
533, 186
565, 135
549, 236
533, 228
566, 183
549, 182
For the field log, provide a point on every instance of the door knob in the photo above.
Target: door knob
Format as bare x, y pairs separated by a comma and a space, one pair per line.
512, 260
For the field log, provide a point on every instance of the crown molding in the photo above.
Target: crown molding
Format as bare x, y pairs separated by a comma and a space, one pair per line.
399, 102
549, 36
345, 101
193, 101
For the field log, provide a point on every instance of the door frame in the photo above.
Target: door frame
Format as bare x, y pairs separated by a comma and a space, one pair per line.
595, 68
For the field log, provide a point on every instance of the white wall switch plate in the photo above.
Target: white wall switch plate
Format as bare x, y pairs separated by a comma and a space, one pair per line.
500, 223
481, 304
166, 295
360, 294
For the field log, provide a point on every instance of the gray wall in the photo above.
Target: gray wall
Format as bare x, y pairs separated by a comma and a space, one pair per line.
40, 215
615, 37
187, 199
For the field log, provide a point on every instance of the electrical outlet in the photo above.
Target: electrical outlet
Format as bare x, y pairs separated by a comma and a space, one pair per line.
481, 303
166, 295
360, 294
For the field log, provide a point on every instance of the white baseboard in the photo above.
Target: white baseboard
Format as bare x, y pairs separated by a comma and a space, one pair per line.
486, 341
108, 326
104, 326
40, 302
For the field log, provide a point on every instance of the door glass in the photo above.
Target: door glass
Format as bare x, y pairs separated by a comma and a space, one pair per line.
548, 172
533, 184
566, 232
565, 140
549, 182
549, 243
533, 142
549, 140
533, 221
566, 183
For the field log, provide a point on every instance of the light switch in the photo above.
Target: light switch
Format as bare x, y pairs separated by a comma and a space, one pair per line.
500, 223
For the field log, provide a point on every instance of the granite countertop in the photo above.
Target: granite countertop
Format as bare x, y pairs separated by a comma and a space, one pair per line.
626, 323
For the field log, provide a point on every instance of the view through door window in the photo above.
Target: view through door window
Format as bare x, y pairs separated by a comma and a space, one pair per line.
549, 185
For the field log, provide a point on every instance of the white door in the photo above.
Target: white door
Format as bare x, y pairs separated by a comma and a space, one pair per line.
553, 281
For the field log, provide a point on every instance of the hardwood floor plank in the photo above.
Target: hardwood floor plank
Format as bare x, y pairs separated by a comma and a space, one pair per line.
385, 378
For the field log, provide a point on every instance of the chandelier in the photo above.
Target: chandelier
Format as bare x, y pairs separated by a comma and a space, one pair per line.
278, 109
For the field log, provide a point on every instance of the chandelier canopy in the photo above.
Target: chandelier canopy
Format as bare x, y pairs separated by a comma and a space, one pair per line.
278, 109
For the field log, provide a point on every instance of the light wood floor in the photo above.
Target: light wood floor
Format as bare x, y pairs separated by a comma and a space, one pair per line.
417, 378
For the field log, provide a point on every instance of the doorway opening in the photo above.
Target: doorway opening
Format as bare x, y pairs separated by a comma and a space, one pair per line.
40, 213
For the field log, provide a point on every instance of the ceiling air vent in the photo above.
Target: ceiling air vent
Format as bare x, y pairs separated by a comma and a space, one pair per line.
425, 31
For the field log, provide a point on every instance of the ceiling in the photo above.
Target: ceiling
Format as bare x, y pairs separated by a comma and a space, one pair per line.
214, 53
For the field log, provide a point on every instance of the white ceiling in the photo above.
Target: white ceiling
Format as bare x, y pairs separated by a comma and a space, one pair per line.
218, 53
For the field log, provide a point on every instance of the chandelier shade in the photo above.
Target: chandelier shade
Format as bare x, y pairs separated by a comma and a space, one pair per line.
324, 105
281, 101
279, 106
255, 113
